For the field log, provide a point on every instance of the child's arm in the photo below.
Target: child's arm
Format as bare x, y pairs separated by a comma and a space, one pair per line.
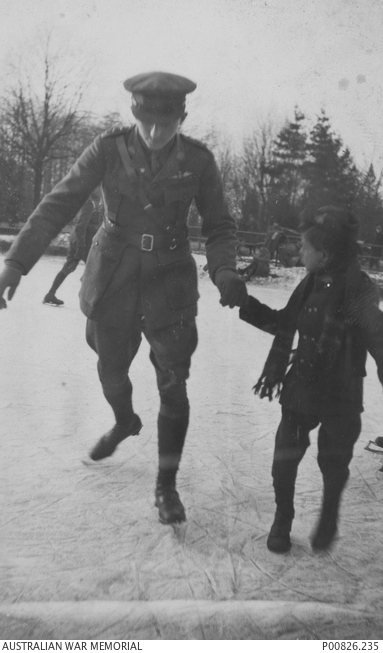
260, 315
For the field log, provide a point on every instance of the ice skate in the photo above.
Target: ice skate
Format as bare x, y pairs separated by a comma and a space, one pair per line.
52, 300
325, 534
278, 540
108, 443
170, 508
375, 446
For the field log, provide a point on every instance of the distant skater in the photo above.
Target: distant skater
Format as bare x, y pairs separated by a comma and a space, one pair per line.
85, 227
376, 249
335, 311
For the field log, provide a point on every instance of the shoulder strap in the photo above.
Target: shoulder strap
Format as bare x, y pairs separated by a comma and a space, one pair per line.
127, 161
147, 205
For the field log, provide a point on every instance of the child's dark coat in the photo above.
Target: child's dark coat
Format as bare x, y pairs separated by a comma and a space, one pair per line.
340, 388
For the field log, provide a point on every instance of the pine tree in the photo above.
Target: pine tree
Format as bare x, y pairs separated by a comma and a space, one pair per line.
330, 172
289, 155
369, 205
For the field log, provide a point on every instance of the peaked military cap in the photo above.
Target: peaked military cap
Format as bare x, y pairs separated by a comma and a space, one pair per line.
158, 95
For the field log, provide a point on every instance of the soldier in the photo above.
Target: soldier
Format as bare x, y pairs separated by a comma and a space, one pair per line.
140, 276
85, 227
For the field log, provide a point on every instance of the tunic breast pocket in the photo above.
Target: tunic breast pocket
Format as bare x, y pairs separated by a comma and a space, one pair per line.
181, 193
116, 184
128, 186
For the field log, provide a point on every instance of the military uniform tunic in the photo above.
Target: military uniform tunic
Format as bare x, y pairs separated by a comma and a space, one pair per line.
120, 276
140, 275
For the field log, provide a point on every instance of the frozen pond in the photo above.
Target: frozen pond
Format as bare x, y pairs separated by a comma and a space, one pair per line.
77, 533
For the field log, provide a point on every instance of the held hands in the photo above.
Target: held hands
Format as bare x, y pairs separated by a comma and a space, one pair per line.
9, 278
231, 286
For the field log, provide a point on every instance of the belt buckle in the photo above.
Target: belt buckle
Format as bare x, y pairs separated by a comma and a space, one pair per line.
147, 242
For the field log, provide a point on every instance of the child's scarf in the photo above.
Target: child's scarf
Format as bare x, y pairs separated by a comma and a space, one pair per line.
346, 286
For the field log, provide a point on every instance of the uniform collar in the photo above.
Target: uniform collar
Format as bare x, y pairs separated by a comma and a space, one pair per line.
162, 154
170, 156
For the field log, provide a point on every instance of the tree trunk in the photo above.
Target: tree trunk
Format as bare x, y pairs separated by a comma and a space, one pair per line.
37, 183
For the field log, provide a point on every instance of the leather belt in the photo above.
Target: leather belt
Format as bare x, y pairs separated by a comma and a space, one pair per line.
148, 242
145, 242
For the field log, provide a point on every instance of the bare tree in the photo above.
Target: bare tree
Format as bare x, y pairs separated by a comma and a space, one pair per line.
255, 177
40, 113
78, 139
227, 162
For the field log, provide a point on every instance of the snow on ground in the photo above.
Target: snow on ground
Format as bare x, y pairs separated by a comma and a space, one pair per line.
72, 532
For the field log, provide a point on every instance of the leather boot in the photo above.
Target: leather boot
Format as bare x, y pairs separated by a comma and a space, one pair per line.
327, 527
284, 472
326, 530
278, 540
108, 443
52, 300
171, 438
168, 502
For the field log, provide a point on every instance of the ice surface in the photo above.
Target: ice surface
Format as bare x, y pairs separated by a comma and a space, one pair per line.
75, 533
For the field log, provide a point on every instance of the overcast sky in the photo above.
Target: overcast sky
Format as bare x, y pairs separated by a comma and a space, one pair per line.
249, 58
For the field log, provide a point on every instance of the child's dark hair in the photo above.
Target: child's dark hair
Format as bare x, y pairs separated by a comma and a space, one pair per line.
334, 230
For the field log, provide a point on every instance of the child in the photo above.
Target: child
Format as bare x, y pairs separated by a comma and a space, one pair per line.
335, 311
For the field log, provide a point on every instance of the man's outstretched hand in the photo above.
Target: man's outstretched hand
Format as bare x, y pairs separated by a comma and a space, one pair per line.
9, 278
231, 286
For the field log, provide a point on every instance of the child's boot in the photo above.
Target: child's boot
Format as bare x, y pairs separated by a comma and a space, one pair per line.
327, 527
284, 475
278, 540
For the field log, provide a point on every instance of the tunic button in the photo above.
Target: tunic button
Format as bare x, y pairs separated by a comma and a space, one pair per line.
96, 243
168, 228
